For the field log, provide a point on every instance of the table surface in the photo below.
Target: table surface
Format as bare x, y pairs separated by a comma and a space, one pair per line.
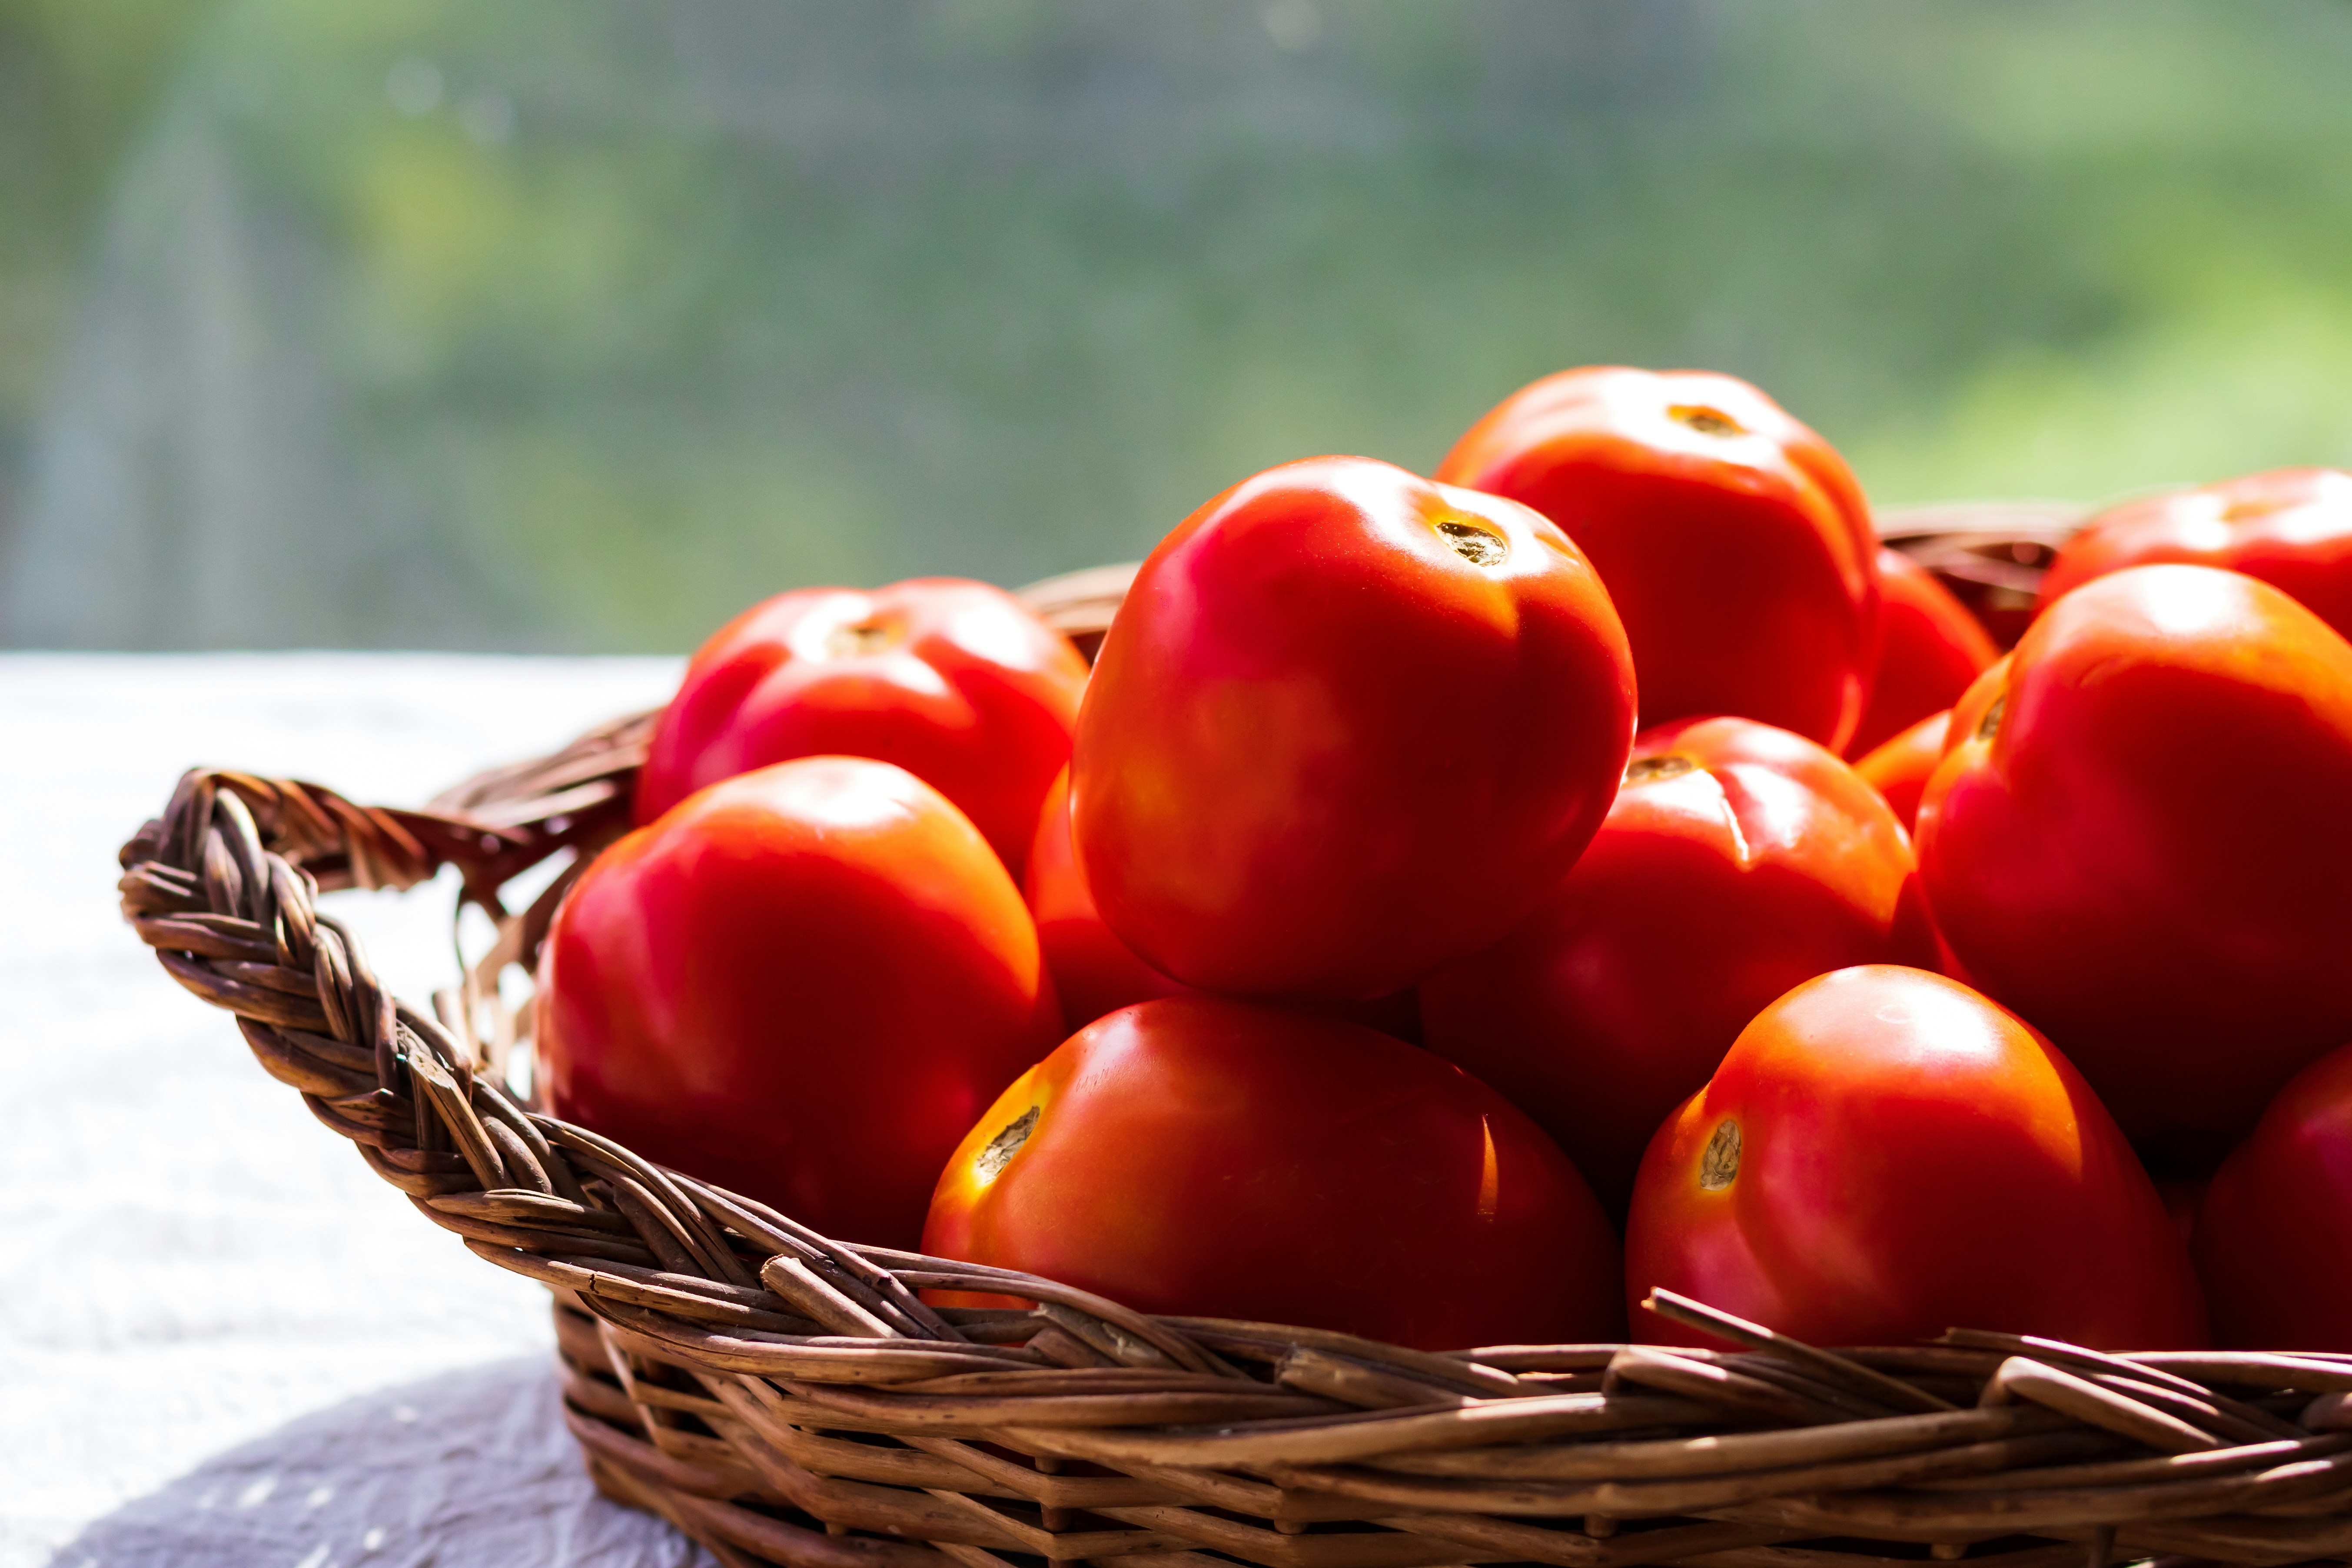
222, 1339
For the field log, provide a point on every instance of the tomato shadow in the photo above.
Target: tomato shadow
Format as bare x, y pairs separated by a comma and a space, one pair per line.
473, 1467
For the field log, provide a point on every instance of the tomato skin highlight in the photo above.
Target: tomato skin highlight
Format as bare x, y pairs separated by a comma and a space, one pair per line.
2271, 1234
1929, 648
2137, 840
1348, 726
801, 984
1734, 542
952, 680
1909, 1157
1708, 892
1899, 768
1200, 1156
2292, 528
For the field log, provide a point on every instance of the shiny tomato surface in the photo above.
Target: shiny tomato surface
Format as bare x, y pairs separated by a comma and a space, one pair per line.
1348, 726
1734, 542
1738, 860
2139, 840
2290, 527
801, 984
952, 680
1900, 767
1885, 1154
1200, 1156
1094, 971
2274, 1239
1929, 648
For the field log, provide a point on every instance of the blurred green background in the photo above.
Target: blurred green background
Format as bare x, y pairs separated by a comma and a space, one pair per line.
579, 324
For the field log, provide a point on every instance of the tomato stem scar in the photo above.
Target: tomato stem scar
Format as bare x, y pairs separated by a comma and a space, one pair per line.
1705, 421
1718, 1166
1473, 543
1004, 1145
1643, 770
848, 640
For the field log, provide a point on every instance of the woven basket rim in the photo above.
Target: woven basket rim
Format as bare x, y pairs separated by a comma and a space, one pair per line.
739, 1372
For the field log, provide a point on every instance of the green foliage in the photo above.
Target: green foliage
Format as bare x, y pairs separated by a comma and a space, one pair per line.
581, 324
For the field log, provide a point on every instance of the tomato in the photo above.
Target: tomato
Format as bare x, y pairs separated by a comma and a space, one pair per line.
1094, 971
2137, 839
952, 680
1348, 726
2272, 1235
801, 984
2290, 527
1735, 542
1738, 860
1201, 1155
2182, 1196
1885, 1154
1899, 768
1929, 648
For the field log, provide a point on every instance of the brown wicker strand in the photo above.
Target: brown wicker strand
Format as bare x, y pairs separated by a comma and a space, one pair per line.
1852, 1376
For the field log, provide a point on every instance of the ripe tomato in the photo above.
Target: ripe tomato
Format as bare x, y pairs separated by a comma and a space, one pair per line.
2137, 839
1899, 768
952, 680
2183, 1196
1200, 1156
1094, 971
1885, 1154
1929, 648
2290, 527
1348, 726
1734, 541
2270, 1234
801, 983
1738, 860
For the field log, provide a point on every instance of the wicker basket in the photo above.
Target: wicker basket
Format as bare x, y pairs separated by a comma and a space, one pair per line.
785, 1398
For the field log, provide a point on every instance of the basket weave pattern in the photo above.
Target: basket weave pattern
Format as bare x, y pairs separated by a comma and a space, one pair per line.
785, 1398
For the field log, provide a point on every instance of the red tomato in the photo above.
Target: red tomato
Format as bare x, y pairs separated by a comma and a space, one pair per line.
1899, 769
2183, 1196
1734, 541
1885, 1154
801, 984
1094, 971
2273, 1239
1348, 726
2292, 528
1929, 648
1205, 1156
953, 681
2138, 839
1738, 861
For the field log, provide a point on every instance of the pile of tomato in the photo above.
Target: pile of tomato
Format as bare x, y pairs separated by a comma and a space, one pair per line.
1449, 907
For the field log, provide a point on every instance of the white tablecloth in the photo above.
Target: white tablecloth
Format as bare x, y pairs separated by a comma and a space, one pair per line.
222, 1340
